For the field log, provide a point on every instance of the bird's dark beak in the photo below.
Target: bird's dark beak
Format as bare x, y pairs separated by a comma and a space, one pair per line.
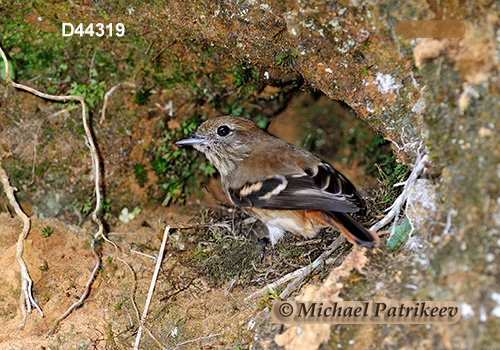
191, 141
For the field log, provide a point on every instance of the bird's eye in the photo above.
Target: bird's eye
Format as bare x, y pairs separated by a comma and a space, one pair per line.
223, 130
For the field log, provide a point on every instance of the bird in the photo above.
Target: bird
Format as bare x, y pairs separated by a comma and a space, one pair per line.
287, 188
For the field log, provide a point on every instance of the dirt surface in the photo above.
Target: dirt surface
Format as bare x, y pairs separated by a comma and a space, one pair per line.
185, 305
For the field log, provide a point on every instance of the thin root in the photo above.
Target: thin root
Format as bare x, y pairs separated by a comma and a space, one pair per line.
26, 299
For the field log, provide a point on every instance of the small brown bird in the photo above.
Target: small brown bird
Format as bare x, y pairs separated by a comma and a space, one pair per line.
282, 185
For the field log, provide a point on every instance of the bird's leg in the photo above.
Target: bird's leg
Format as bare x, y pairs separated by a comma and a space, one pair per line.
240, 230
322, 232
263, 243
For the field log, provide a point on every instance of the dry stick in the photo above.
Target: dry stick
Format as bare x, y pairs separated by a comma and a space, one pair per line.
217, 207
26, 298
185, 226
33, 168
310, 269
154, 338
398, 203
152, 286
107, 95
277, 283
105, 103
97, 177
177, 227
299, 275
143, 254
63, 111
197, 339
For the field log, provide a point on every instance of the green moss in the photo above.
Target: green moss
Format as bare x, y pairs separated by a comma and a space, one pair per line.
80, 130
20, 173
286, 58
85, 206
44, 267
226, 258
267, 300
142, 96
244, 75
46, 232
140, 174
38, 49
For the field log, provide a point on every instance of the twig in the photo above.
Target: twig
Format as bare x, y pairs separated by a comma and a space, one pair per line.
277, 283
153, 337
26, 299
184, 226
107, 95
178, 291
307, 270
158, 54
420, 162
299, 275
63, 111
33, 168
398, 203
105, 103
91, 65
152, 286
149, 47
197, 339
210, 206
446, 229
143, 254
309, 241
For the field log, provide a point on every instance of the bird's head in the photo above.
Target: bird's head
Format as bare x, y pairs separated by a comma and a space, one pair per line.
225, 141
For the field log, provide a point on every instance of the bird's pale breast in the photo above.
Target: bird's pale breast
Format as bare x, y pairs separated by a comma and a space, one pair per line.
305, 223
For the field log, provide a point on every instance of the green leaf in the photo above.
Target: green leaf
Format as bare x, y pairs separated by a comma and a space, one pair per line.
12, 70
400, 235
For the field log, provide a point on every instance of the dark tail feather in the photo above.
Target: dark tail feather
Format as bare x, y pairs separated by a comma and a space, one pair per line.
353, 231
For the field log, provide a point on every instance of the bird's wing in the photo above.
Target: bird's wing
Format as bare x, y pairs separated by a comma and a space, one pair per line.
319, 188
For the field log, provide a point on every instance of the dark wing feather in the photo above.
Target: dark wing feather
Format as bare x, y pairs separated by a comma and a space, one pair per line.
322, 188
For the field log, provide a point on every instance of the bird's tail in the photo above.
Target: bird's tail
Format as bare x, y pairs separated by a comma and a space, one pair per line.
353, 231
